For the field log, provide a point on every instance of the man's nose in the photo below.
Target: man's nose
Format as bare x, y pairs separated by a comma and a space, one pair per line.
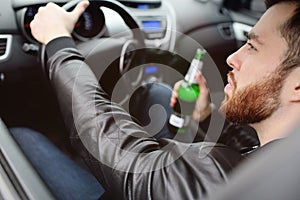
234, 60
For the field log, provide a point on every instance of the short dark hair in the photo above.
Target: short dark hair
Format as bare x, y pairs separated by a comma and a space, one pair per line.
290, 30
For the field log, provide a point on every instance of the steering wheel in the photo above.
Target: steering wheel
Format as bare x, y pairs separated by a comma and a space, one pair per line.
102, 52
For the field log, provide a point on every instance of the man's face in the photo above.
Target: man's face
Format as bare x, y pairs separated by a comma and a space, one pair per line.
252, 90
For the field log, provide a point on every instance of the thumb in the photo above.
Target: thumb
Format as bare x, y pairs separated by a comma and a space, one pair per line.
79, 9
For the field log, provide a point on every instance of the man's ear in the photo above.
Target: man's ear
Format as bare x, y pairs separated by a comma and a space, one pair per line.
295, 84
297, 93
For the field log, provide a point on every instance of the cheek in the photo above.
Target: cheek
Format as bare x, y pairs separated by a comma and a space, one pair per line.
245, 79
252, 73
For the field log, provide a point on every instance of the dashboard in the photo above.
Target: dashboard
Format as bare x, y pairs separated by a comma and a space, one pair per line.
154, 17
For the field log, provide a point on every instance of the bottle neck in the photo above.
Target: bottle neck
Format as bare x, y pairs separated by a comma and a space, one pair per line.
195, 67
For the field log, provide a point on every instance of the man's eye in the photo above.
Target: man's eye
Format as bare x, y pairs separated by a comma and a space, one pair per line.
251, 47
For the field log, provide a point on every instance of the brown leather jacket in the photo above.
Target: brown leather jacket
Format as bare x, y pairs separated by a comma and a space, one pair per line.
128, 162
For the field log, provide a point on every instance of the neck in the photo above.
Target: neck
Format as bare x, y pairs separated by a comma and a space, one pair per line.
277, 126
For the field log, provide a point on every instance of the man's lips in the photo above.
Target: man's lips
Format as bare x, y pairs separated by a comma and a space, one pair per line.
228, 88
231, 84
229, 81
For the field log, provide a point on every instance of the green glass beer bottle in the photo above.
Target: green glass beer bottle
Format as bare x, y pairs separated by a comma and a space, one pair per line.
188, 93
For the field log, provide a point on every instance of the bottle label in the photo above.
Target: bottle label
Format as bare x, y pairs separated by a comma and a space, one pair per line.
176, 121
190, 75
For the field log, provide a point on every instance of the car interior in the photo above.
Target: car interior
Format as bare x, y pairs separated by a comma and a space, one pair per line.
127, 44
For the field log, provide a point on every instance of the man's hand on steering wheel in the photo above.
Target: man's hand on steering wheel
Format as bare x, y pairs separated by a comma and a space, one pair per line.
53, 21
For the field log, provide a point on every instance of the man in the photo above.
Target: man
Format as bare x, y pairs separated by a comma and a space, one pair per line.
263, 91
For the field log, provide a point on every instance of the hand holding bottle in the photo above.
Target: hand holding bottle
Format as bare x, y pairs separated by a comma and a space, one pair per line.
203, 106
189, 99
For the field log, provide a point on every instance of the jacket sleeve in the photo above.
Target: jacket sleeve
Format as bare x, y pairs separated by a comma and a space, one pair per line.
128, 162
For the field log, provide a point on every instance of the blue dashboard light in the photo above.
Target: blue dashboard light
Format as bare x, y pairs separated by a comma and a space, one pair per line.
151, 69
151, 25
142, 6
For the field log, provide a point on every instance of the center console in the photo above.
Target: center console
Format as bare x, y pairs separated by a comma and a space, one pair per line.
155, 17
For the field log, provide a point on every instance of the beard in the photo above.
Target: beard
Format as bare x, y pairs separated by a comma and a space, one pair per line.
255, 102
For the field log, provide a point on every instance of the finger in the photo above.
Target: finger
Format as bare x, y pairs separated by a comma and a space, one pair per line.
173, 99
203, 99
41, 9
174, 93
202, 83
51, 5
79, 9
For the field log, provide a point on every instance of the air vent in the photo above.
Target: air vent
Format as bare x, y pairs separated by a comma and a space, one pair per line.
5, 46
226, 30
3, 43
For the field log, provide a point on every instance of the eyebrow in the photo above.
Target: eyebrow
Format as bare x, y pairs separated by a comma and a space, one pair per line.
254, 37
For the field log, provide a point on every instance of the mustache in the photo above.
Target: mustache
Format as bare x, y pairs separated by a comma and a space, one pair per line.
230, 75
